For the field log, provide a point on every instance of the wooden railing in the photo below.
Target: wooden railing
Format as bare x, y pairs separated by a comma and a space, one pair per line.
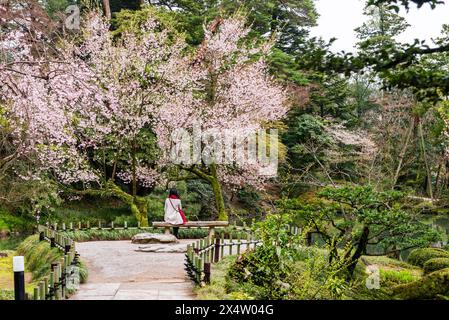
201, 254
54, 285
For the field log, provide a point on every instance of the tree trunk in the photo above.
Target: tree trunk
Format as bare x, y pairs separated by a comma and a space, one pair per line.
219, 201
138, 205
402, 154
107, 9
361, 249
428, 171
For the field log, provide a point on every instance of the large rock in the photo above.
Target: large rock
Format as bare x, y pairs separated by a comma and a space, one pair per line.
144, 238
164, 248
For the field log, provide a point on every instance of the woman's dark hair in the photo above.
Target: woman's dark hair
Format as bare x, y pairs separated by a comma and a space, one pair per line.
174, 192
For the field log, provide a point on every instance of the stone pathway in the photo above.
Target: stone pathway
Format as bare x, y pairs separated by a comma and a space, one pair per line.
118, 272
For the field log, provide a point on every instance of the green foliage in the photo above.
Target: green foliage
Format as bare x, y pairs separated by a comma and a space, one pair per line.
391, 278
103, 235
15, 224
352, 217
10, 242
288, 18
91, 212
127, 234
282, 269
419, 257
250, 199
429, 287
38, 256
436, 264
306, 140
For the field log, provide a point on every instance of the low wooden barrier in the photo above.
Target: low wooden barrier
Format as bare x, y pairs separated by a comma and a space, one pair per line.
201, 254
54, 286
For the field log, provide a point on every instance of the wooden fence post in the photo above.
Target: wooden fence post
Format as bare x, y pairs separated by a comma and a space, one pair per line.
46, 291
239, 237
41, 291
217, 250
207, 272
231, 242
52, 285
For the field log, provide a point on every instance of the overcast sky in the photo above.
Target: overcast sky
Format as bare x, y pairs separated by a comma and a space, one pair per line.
339, 18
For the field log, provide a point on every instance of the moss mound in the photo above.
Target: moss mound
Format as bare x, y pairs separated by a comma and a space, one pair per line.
435, 264
419, 257
429, 287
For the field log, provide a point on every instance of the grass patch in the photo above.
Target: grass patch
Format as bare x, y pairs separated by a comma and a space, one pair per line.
7, 277
217, 288
10, 243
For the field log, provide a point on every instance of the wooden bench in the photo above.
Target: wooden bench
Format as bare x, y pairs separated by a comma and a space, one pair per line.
193, 224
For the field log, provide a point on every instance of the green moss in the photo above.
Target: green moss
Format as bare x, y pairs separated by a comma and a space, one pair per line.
418, 257
435, 264
429, 287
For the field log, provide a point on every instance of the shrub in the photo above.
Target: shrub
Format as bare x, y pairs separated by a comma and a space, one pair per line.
38, 256
419, 256
436, 264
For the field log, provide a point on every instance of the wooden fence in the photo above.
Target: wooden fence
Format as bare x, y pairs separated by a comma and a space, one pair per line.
54, 285
201, 254
101, 225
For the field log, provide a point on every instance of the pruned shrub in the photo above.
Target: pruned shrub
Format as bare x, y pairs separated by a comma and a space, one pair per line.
436, 264
419, 257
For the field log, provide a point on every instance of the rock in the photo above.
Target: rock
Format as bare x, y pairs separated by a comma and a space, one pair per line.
171, 248
144, 238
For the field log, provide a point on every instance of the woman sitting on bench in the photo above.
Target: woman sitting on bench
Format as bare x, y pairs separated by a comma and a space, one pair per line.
173, 211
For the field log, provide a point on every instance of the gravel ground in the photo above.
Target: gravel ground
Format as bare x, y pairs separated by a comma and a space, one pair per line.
118, 272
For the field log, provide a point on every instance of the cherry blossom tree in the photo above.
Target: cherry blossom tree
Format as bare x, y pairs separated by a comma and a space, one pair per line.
86, 111
235, 98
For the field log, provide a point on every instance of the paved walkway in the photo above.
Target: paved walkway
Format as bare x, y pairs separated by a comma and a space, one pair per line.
118, 272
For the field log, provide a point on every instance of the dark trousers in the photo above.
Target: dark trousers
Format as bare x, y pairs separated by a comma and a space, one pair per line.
175, 231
